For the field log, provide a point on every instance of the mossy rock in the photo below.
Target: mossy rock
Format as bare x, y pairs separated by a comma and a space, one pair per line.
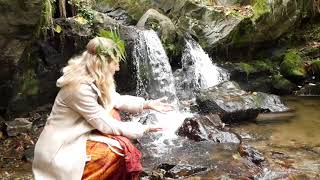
247, 68
282, 86
260, 7
134, 8
314, 68
292, 66
264, 65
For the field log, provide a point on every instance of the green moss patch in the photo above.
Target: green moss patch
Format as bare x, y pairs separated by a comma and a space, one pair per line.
292, 65
260, 7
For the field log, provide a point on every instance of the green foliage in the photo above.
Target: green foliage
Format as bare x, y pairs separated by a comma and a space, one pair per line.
83, 10
119, 43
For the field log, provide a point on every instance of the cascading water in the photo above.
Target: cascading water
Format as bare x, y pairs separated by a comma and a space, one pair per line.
198, 71
154, 72
155, 80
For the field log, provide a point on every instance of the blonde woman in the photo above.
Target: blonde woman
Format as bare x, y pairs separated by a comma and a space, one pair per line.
82, 114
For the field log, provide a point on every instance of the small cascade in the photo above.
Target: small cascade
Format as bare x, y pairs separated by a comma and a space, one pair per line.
198, 71
155, 79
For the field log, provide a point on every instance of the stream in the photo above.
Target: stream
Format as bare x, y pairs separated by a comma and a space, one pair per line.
291, 142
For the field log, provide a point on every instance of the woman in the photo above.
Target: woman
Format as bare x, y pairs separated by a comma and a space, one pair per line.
85, 103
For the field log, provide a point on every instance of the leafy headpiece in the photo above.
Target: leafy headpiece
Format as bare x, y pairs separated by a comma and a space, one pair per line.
117, 51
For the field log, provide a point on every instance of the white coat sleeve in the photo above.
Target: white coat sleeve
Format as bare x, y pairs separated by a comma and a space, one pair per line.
84, 100
128, 103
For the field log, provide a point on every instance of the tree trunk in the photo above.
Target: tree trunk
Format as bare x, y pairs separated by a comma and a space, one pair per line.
62, 8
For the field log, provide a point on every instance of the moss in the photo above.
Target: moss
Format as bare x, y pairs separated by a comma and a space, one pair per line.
314, 68
247, 68
292, 65
29, 84
45, 21
264, 65
243, 34
279, 82
260, 7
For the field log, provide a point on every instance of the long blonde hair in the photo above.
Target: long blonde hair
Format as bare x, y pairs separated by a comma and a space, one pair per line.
89, 67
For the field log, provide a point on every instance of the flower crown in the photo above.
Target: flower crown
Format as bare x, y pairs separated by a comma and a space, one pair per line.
116, 52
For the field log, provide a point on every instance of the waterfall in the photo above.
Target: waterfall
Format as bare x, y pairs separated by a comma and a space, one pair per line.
198, 71
155, 79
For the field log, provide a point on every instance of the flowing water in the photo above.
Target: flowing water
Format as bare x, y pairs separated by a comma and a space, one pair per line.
292, 142
154, 74
155, 80
155, 77
197, 72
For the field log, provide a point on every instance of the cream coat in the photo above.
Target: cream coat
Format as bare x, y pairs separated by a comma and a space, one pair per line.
60, 152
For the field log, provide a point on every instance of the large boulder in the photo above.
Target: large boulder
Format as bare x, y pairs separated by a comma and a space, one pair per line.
234, 104
206, 128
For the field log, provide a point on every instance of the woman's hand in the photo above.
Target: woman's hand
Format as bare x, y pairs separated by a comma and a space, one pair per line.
153, 129
157, 105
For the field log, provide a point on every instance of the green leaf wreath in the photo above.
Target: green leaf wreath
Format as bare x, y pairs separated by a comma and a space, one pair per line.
117, 52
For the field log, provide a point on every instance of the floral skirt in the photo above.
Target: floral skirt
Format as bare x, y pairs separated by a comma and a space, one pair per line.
104, 163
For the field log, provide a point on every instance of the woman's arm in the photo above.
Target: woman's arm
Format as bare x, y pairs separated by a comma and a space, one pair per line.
128, 103
84, 101
137, 104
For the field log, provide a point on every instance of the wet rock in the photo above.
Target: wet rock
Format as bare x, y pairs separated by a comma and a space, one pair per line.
19, 20
182, 170
149, 119
34, 116
164, 24
278, 155
233, 104
18, 126
219, 28
282, 86
29, 155
309, 90
121, 16
206, 128
252, 154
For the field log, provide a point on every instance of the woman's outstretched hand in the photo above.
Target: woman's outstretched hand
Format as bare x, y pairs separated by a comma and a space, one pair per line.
157, 105
153, 129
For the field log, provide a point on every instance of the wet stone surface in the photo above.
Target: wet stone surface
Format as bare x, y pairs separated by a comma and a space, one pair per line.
234, 104
201, 128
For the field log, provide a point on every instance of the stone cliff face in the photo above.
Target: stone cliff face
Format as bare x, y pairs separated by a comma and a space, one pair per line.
19, 20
